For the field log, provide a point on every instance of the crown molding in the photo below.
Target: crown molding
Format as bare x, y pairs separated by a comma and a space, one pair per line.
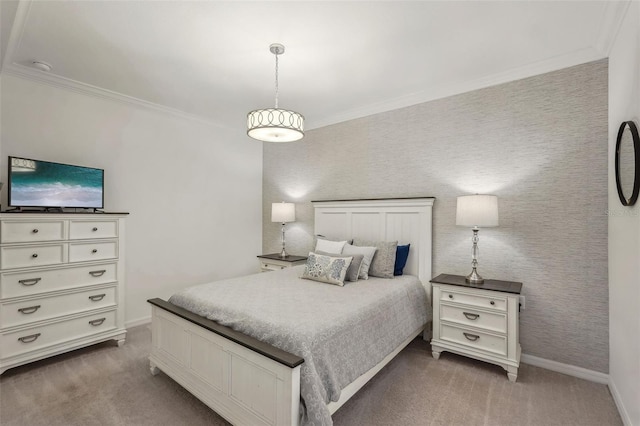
443, 91
98, 92
612, 18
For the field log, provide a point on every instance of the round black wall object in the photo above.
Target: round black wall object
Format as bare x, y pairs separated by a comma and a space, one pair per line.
628, 163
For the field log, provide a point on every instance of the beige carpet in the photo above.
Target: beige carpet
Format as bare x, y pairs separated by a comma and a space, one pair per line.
107, 385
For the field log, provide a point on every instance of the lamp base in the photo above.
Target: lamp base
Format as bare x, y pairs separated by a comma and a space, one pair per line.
474, 277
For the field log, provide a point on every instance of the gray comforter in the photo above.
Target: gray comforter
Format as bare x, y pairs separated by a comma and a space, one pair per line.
341, 332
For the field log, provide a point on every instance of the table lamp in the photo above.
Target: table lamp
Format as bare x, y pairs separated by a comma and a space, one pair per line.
476, 211
283, 213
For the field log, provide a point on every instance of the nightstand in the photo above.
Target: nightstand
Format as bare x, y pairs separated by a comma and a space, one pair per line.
274, 262
477, 320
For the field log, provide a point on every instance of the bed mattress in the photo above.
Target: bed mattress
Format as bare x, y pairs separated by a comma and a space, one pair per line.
341, 332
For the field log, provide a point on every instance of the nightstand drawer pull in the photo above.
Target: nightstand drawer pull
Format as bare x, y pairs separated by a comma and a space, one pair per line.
97, 297
29, 310
35, 231
492, 303
29, 339
30, 281
451, 296
94, 251
472, 317
472, 337
34, 255
97, 273
97, 322
94, 229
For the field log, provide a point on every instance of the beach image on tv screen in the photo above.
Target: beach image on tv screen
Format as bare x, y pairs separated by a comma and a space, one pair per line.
44, 184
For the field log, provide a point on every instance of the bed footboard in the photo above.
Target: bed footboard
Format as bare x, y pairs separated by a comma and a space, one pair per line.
244, 380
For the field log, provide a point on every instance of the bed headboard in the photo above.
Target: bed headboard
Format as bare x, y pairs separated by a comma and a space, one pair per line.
407, 220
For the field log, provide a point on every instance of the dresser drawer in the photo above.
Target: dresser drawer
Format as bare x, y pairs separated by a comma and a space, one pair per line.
492, 321
17, 284
85, 229
12, 257
477, 299
84, 252
25, 312
30, 339
31, 231
479, 340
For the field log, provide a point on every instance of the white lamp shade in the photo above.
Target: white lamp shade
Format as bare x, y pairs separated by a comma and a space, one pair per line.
477, 210
283, 212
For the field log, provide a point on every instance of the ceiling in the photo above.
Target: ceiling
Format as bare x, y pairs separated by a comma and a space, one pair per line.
210, 60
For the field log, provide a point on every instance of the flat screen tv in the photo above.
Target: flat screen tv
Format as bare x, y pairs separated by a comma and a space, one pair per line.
36, 183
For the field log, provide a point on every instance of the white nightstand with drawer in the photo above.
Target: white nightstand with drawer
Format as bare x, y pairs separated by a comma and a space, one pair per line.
477, 320
275, 262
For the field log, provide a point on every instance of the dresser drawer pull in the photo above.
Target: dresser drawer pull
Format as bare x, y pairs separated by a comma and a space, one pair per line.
29, 310
35, 231
97, 297
451, 296
34, 255
30, 281
472, 337
29, 339
472, 317
94, 251
492, 303
97, 273
94, 229
97, 322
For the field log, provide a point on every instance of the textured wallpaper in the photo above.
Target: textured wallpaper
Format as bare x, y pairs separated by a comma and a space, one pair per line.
539, 144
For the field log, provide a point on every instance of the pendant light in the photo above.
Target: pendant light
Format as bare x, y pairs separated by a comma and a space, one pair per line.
275, 124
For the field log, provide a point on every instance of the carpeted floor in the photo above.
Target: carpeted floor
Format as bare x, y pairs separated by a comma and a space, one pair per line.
107, 385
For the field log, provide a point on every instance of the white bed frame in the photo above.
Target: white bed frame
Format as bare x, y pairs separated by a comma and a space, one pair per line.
251, 383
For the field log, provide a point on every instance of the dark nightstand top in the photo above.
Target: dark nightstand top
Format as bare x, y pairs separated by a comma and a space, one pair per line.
495, 285
276, 256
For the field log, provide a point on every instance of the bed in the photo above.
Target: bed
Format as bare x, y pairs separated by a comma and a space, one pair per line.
241, 368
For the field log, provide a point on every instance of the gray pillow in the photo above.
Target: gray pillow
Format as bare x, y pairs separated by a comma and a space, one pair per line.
354, 268
367, 252
385, 258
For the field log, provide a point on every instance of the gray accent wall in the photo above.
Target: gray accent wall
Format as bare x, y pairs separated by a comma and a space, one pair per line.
539, 144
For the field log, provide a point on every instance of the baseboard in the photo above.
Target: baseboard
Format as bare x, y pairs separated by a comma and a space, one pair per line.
570, 370
626, 420
137, 322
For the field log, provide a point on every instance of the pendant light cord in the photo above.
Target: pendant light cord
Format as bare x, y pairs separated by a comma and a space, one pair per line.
277, 80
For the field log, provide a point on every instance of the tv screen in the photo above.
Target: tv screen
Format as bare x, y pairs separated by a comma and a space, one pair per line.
35, 183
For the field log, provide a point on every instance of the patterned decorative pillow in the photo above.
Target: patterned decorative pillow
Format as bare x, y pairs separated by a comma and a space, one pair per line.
354, 269
329, 246
326, 269
384, 261
366, 252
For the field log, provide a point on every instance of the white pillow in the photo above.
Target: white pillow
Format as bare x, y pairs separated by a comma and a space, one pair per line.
367, 252
329, 246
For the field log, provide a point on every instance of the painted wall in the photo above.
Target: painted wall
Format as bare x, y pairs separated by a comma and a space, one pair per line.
624, 227
540, 144
193, 190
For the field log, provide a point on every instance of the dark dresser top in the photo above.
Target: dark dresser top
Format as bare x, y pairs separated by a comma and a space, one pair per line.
288, 258
494, 285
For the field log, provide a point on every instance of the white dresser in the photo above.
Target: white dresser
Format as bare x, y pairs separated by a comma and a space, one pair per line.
61, 283
477, 320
